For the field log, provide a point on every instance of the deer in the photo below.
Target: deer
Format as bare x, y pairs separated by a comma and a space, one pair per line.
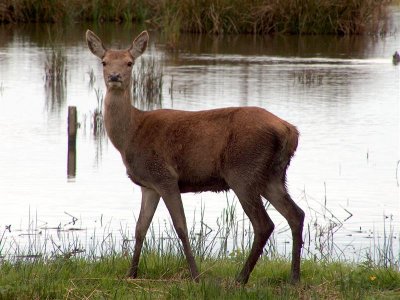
168, 152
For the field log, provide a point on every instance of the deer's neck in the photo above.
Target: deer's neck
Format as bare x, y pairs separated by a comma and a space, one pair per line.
119, 117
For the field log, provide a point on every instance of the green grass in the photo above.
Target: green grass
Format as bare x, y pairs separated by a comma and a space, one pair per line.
60, 263
166, 277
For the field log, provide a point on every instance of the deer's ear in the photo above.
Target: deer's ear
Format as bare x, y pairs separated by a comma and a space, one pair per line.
95, 44
139, 45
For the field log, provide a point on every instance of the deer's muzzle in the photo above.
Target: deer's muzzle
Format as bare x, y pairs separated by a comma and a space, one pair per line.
114, 78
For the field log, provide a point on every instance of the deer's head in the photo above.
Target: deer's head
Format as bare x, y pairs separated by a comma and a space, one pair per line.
117, 64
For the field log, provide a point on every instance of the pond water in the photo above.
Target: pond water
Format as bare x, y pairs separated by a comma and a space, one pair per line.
343, 94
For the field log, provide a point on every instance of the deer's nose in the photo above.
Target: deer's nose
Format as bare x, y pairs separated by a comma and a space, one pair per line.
114, 77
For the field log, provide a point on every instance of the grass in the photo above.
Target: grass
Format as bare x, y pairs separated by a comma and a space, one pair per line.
166, 277
216, 17
57, 262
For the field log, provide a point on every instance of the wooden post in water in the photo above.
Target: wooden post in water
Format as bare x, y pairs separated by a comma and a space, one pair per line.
72, 129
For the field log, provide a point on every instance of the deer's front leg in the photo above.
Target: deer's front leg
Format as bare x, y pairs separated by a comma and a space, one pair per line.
174, 205
150, 199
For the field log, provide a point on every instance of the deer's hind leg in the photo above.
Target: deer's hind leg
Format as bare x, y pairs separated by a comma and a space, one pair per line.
262, 224
276, 193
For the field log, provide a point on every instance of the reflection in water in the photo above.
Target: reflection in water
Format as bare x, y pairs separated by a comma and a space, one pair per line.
97, 117
97, 124
284, 46
55, 79
308, 77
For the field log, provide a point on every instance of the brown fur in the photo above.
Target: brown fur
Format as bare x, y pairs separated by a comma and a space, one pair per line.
169, 152
201, 150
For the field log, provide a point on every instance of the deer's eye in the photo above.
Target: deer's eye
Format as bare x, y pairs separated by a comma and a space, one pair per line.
103, 63
130, 64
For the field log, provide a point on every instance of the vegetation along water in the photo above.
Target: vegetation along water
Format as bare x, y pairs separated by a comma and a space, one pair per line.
73, 262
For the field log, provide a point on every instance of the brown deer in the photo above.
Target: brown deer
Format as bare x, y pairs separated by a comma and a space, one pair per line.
168, 152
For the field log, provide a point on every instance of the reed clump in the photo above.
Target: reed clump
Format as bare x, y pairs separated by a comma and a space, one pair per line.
147, 83
217, 17
55, 69
55, 66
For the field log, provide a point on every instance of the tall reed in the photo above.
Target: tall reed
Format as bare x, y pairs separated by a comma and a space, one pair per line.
209, 16
147, 82
55, 69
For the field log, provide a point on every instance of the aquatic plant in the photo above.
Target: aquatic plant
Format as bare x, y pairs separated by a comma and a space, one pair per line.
98, 126
92, 78
147, 84
308, 77
217, 17
55, 69
55, 65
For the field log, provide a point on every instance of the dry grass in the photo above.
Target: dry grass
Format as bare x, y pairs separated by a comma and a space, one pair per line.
216, 17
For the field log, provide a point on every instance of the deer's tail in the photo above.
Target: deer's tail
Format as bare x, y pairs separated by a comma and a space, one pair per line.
289, 139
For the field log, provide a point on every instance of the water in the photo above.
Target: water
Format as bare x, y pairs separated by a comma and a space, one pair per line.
343, 94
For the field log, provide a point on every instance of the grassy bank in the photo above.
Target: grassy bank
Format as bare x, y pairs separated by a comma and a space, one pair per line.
166, 277
71, 262
56, 263
217, 17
